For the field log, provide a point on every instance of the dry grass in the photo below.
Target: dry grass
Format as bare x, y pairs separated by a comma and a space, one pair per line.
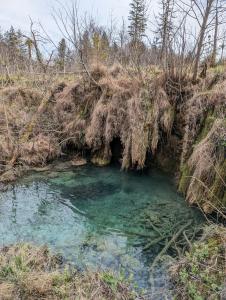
205, 161
146, 116
25, 129
28, 272
119, 107
203, 157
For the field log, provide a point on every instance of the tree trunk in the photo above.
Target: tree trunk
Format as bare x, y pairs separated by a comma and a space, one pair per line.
214, 53
201, 38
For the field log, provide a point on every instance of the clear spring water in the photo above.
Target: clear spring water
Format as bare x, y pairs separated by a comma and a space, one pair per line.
92, 216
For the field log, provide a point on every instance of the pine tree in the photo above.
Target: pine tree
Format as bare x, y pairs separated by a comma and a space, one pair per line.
61, 54
16, 48
11, 40
1, 36
165, 26
15, 42
138, 21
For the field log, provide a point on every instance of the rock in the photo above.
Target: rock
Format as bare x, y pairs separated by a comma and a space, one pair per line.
78, 162
8, 176
102, 157
61, 166
42, 169
100, 162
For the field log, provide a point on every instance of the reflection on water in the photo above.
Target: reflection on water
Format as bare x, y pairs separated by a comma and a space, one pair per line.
93, 216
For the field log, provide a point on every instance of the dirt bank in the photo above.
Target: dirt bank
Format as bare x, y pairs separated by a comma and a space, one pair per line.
120, 117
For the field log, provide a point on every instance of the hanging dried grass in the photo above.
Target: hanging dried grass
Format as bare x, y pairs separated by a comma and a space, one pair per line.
203, 162
122, 108
38, 151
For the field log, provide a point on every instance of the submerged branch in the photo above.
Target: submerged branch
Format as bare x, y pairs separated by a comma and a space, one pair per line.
168, 245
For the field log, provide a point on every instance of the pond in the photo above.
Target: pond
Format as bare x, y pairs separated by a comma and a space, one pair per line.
95, 218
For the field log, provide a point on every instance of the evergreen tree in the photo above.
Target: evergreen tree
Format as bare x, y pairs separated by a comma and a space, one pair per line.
138, 21
11, 40
61, 54
1, 35
165, 26
15, 44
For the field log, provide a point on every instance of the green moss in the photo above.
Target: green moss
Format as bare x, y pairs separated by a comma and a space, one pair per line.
112, 281
184, 178
201, 274
208, 123
219, 69
218, 186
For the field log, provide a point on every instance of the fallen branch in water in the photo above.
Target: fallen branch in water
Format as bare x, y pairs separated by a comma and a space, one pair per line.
168, 245
154, 242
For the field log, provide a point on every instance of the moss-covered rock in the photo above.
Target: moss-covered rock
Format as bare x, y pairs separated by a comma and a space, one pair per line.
100, 161
102, 157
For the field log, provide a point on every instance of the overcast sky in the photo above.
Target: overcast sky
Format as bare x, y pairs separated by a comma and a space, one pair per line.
17, 12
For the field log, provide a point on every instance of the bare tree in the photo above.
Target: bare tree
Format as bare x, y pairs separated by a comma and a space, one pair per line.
36, 39
205, 12
215, 39
71, 27
200, 11
219, 20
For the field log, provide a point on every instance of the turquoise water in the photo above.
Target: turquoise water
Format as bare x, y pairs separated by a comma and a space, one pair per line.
94, 217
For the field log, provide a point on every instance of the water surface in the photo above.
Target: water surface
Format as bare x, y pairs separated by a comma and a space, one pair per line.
94, 217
